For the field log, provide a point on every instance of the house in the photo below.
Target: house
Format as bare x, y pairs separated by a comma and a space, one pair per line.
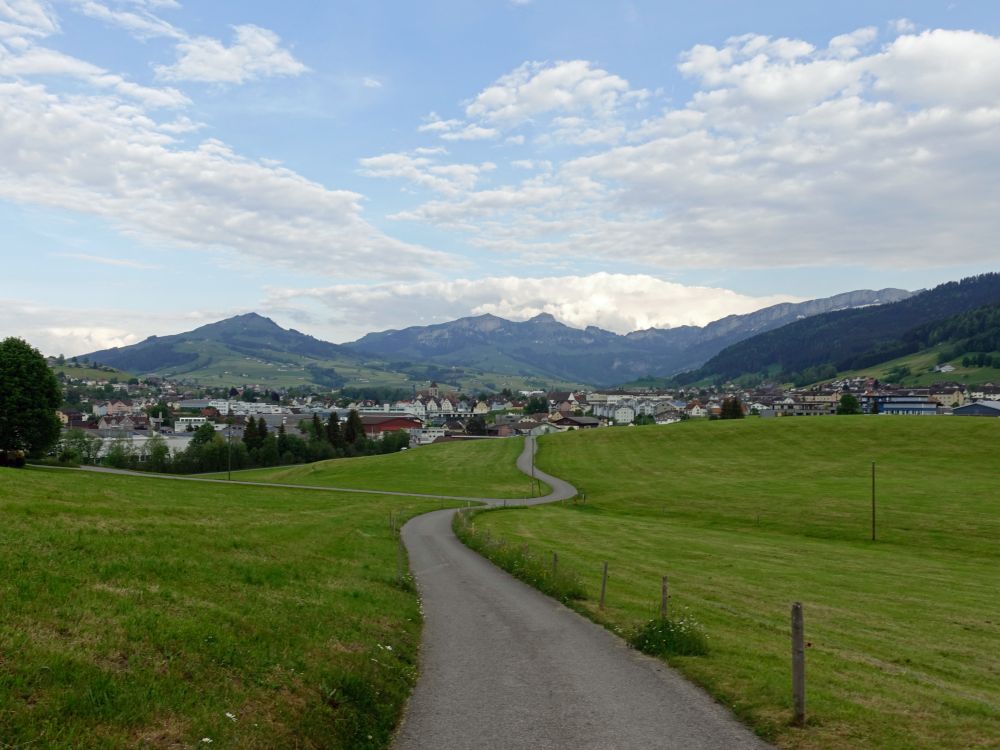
908, 405
500, 430
623, 414
947, 394
569, 421
376, 425
978, 409
188, 424
695, 409
110, 426
790, 407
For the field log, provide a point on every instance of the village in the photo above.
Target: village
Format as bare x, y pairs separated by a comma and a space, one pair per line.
138, 411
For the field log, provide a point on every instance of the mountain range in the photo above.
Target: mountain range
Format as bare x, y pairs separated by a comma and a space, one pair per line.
472, 352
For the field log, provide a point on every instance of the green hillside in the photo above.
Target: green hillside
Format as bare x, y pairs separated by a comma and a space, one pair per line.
140, 612
474, 468
917, 369
747, 516
819, 346
85, 372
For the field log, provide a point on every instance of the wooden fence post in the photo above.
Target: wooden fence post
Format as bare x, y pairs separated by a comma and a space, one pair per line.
555, 563
664, 595
604, 583
798, 665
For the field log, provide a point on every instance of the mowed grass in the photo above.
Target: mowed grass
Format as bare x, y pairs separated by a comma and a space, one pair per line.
746, 517
473, 468
140, 612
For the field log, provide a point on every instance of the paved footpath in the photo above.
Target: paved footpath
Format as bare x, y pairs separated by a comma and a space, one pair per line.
504, 666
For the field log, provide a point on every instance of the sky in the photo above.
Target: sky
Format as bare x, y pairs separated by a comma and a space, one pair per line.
346, 167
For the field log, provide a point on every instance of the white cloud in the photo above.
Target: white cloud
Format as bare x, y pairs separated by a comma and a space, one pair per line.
421, 169
849, 45
98, 156
371, 83
536, 88
616, 302
582, 101
26, 18
786, 154
255, 53
39, 61
139, 22
902, 25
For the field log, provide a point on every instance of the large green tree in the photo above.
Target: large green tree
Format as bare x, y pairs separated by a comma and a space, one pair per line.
29, 397
849, 404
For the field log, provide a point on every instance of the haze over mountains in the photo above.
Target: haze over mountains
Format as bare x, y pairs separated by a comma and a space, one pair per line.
541, 349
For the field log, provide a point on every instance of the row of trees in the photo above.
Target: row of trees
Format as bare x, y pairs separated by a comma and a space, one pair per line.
210, 450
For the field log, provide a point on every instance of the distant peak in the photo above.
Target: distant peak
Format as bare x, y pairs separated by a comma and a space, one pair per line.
543, 318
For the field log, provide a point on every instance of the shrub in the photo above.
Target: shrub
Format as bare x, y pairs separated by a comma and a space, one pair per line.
683, 636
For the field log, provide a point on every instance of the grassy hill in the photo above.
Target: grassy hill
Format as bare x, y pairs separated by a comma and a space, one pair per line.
920, 367
476, 468
849, 339
748, 516
83, 372
139, 612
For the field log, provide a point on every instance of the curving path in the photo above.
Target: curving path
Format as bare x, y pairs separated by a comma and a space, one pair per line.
504, 666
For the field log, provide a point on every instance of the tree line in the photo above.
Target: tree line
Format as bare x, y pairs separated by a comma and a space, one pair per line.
259, 446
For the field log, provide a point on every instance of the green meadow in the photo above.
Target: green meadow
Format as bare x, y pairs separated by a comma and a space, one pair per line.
140, 612
473, 468
747, 516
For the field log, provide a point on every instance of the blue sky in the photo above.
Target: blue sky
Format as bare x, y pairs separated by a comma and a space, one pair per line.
348, 167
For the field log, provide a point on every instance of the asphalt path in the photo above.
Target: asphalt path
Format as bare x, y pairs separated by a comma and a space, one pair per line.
504, 666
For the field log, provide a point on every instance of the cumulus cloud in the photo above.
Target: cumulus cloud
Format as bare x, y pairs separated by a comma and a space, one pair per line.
616, 302
254, 53
420, 168
536, 88
787, 153
582, 100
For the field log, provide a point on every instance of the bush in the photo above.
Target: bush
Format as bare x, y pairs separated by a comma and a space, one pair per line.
684, 636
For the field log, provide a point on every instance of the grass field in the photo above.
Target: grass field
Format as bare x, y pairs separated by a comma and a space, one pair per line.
748, 516
476, 468
139, 612
921, 366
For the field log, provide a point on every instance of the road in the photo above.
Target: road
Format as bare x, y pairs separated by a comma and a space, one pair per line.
504, 666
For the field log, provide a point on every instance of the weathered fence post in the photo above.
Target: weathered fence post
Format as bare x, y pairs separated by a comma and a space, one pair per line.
604, 583
798, 665
555, 563
664, 595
